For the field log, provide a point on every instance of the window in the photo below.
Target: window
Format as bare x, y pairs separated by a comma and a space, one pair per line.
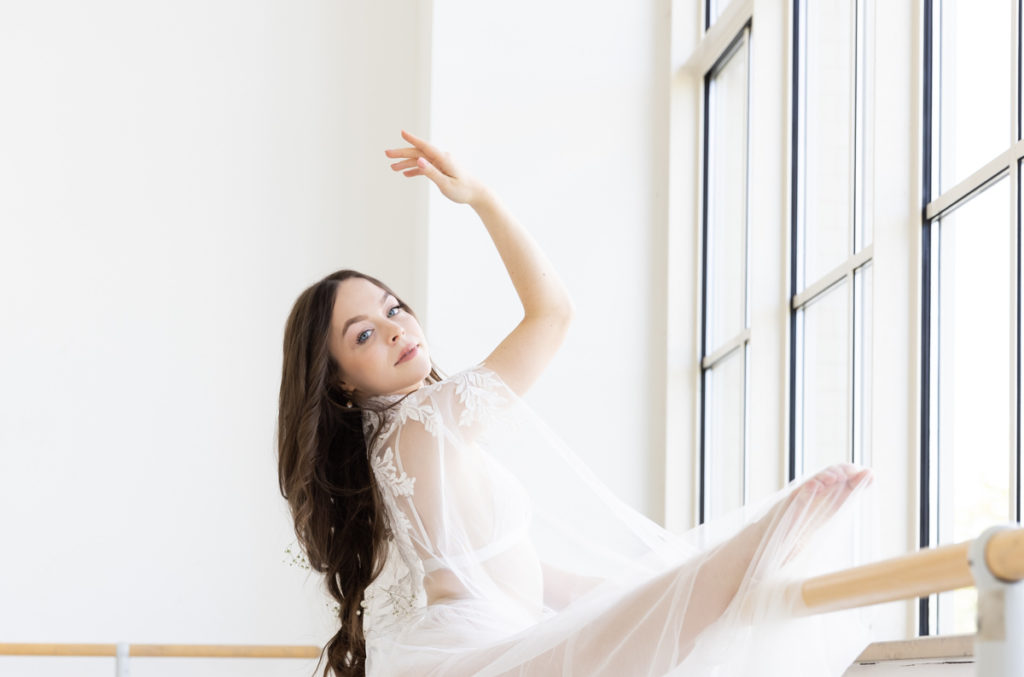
712, 9
726, 335
971, 329
823, 365
831, 239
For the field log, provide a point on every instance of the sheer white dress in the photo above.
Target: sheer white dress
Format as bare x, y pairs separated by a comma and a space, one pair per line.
508, 557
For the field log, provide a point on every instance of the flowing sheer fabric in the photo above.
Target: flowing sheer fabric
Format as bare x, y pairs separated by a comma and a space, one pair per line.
508, 557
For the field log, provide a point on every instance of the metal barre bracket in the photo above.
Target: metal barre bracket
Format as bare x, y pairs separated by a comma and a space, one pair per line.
122, 668
998, 649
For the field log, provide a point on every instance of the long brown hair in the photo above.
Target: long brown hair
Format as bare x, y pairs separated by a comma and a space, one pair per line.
324, 472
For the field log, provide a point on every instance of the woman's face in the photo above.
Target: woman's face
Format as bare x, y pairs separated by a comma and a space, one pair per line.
379, 345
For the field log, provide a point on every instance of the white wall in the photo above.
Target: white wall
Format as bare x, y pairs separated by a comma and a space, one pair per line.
562, 108
173, 174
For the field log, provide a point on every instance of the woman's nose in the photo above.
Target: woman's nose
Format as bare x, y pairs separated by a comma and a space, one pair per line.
397, 332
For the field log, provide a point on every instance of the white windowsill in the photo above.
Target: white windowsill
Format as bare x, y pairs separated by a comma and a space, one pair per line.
950, 655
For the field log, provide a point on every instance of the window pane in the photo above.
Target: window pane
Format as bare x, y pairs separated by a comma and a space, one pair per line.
713, 9
862, 365
975, 384
724, 443
828, 148
727, 199
974, 60
826, 379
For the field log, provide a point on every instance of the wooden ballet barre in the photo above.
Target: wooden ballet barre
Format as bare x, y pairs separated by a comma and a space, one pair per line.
915, 575
993, 563
997, 568
163, 650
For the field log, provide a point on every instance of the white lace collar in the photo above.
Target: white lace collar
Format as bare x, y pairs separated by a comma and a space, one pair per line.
378, 410
378, 402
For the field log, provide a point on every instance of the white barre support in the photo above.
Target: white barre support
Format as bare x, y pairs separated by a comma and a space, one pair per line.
121, 667
999, 644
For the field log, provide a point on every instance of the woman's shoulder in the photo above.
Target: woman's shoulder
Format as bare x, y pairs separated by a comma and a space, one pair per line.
460, 400
468, 389
468, 386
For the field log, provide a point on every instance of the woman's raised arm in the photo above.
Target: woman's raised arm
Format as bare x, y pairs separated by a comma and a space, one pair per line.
547, 309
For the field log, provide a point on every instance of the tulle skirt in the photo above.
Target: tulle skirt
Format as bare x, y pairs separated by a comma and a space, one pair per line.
676, 619
465, 467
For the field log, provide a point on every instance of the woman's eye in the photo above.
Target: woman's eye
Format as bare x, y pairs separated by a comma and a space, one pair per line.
363, 337
394, 311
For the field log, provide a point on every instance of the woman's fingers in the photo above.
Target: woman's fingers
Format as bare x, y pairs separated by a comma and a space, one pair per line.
425, 159
404, 164
423, 149
825, 491
814, 502
412, 167
425, 146
842, 473
409, 167
435, 155
412, 155
403, 153
432, 172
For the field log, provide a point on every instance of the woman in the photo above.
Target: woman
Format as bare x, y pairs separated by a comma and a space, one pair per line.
460, 537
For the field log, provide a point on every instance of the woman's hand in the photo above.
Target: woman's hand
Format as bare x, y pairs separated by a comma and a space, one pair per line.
813, 503
522, 355
427, 160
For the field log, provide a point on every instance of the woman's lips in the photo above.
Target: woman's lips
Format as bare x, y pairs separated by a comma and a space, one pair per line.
408, 354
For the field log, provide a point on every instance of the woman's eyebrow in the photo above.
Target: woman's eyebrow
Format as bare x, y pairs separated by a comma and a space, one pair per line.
359, 318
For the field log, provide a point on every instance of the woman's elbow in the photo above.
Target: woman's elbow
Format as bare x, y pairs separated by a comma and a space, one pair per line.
562, 317
567, 310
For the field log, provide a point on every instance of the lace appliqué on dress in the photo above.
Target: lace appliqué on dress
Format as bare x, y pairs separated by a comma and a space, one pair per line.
423, 413
385, 470
479, 394
393, 597
398, 592
398, 483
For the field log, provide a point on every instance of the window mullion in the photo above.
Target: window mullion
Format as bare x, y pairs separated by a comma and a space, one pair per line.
992, 171
725, 349
833, 276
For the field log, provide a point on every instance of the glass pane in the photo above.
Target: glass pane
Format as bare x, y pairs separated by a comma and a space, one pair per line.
724, 441
826, 379
975, 383
827, 149
727, 199
714, 10
974, 60
862, 365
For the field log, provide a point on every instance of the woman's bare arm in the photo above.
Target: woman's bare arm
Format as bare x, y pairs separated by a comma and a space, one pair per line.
547, 309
